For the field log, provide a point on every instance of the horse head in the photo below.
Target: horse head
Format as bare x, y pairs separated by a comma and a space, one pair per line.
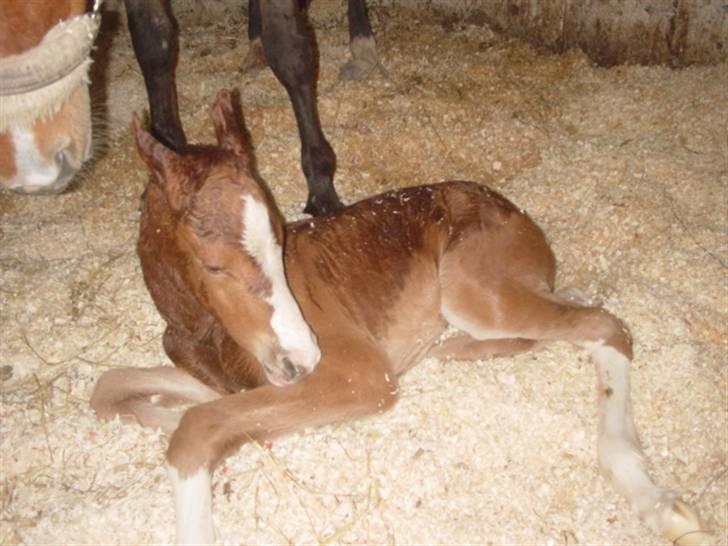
230, 234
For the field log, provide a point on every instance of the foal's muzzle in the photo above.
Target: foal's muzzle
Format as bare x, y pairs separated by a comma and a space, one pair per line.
288, 369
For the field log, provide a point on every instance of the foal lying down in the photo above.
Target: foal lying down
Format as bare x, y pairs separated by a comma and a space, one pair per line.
274, 327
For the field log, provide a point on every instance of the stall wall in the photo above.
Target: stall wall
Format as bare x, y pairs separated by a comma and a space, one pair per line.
671, 32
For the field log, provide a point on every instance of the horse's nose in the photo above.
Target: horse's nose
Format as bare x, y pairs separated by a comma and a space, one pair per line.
66, 172
58, 176
43, 165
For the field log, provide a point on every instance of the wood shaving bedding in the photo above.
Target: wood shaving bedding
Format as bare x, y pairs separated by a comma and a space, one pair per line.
625, 169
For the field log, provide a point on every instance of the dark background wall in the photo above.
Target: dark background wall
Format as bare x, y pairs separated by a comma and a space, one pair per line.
670, 32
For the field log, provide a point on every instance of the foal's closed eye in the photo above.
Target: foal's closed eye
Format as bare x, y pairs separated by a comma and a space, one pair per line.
215, 270
257, 283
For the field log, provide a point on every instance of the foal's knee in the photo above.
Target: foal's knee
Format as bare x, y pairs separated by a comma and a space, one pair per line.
195, 444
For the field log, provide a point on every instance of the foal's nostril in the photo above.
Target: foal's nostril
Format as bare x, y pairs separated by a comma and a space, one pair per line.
290, 368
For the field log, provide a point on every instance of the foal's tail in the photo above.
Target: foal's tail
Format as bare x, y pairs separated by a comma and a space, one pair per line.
144, 394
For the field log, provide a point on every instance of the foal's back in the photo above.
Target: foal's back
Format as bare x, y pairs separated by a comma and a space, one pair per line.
374, 268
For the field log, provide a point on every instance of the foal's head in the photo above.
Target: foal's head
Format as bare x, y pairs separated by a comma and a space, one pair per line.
231, 235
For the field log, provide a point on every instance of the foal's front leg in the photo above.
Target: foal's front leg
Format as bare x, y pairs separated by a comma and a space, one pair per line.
352, 381
142, 394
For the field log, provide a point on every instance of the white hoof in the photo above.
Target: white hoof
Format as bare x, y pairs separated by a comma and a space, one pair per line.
682, 526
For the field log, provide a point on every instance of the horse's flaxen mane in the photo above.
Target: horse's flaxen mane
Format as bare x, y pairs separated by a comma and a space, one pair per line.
37, 82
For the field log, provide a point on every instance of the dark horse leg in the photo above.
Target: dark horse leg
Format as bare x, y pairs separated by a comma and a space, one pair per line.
361, 41
289, 49
154, 36
288, 43
255, 58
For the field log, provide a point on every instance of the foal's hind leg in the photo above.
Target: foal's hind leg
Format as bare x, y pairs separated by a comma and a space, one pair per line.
512, 310
465, 347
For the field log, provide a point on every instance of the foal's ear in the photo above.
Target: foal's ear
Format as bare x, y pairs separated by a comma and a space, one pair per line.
161, 162
229, 130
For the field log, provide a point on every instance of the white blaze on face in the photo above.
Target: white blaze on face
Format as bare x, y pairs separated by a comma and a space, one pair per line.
291, 330
39, 171
33, 170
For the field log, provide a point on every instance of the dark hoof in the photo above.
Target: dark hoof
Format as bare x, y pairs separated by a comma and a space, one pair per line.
356, 70
364, 60
321, 206
171, 136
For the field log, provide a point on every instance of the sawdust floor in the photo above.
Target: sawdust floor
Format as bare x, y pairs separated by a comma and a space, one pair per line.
624, 168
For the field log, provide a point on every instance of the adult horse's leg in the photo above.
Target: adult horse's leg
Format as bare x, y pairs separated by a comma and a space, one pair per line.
288, 43
361, 43
255, 58
154, 36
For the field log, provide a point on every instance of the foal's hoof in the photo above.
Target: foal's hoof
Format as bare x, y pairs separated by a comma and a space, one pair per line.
683, 527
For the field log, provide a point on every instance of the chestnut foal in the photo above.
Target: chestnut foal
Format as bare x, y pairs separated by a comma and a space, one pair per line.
316, 319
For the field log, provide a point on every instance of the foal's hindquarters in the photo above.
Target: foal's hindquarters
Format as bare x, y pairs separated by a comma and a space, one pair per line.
499, 292
466, 255
376, 283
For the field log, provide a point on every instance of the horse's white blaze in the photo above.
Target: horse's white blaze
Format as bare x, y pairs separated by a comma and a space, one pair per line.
33, 171
193, 506
292, 331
